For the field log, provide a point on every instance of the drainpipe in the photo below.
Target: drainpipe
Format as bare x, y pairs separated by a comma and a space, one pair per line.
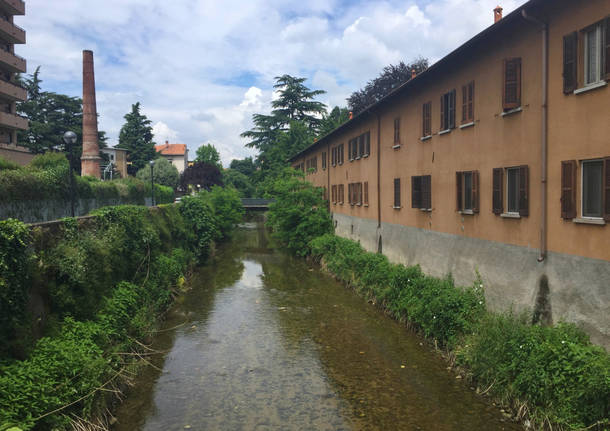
544, 137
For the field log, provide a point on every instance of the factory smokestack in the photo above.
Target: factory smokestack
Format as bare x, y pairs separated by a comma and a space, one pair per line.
90, 159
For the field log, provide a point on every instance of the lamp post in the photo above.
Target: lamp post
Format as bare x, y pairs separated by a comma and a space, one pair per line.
152, 182
70, 139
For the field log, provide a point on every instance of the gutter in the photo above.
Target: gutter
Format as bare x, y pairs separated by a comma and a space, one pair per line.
544, 135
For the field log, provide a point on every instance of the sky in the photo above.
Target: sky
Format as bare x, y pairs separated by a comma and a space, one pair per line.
201, 68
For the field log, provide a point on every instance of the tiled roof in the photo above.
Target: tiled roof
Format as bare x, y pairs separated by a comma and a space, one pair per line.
168, 149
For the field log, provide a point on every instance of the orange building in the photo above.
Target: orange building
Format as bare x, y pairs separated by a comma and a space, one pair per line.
495, 160
177, 154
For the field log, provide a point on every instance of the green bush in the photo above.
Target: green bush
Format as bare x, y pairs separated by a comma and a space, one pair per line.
164, 172
227, 206
561, 376
8, 165
299, 212
201, 222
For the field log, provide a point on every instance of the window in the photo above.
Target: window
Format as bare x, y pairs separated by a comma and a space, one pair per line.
448, 110
324, 160
396, 131
467, 191
593, 50
333, 156
421, 192
333, 194
340, 154
427, 119
592, 185
511, 90
517, 190
341, 193
468, 103
367, 144
366, 194
397, 193
360, 146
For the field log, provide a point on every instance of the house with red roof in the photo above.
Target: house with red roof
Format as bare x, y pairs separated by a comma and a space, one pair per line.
176, 154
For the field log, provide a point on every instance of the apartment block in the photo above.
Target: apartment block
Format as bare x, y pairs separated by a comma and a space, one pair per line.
495, 161
11, 64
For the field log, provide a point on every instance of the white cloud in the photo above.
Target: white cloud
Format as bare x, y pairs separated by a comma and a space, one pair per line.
162, 133
201, 69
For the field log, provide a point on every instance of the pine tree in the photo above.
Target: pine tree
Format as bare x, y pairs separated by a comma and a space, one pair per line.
137, 138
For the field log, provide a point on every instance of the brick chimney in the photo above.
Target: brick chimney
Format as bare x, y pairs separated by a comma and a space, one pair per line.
497, 14
90, 159
351, 115
413, 73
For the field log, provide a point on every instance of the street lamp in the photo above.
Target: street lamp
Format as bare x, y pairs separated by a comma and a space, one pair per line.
70, 139
152, 182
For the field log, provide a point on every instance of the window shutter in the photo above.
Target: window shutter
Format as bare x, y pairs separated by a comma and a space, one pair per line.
451, 109
464, 103
368, 144
396, 130
497, 199
360, 193
361, 145
512, 84
443, 112
458, 190
523, 191
475, 191
471, 101
366, 193
397, 192
607, 50
415, 192
426, 195
568, 189
606, 188
570, 62
423, 117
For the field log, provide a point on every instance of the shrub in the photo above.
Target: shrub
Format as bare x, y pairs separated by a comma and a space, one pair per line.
8, 165
201, 223
299, 212
227, 208
164, 172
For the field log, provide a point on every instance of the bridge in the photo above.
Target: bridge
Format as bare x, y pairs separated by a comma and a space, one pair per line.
256, 203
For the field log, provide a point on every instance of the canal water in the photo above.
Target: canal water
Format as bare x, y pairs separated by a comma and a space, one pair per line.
264, 341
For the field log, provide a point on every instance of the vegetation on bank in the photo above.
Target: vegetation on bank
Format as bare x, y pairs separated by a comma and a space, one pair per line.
107, 279
47, 178
552, 376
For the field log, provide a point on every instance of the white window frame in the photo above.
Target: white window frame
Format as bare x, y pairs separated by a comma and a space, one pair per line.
508, 211
599, 33
582, 190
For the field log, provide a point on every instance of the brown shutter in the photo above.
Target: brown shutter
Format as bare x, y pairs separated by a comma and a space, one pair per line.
471, 101
512, 84
568, 189
443, 112
606, 189
366, 193
607, 50
415, 192
397, 192
523, 191
367, 144
570, 62
497, 199
458, 190
423, 117
396, 130
475, 191
360, 193
426, 195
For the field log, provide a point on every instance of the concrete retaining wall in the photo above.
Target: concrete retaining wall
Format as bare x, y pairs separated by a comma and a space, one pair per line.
561, 288
46, 210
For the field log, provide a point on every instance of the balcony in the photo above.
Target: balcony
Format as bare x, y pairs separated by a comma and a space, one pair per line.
12, 92
11, 32
13, 7
12, 62
13, 121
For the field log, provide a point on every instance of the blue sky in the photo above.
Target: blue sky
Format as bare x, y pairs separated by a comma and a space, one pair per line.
201, 68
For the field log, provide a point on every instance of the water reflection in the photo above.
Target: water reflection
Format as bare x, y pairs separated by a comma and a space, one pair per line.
271, 343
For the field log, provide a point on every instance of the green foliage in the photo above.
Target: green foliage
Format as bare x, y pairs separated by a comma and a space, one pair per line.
208, 154
333, 119
15, 259
50, 161
228, 210
136, 136
239, 181
556, 370
201, 224
245, 166
299, 213
8, 165
164, 172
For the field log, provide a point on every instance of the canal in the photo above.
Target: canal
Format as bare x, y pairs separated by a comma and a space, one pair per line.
263, 341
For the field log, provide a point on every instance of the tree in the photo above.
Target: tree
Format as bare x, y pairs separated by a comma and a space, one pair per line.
295, 102
164, 173
332, 120
201, 175
208, 154
136, 137
239, 181
50, 115
390, 78
245, 166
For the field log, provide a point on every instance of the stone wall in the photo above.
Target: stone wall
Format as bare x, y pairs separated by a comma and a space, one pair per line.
561, 288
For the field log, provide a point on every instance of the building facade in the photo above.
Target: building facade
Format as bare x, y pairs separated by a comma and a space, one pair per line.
495, 161
11, 64
177, 154
118, 158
